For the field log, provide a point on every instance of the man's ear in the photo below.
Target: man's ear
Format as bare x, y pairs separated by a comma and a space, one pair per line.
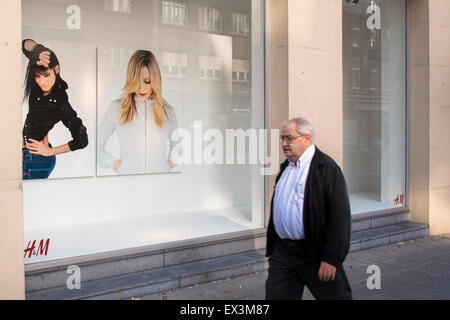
57, 69
309, 138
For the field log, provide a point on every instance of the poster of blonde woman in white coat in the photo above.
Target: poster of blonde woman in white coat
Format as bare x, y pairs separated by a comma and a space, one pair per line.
134, 130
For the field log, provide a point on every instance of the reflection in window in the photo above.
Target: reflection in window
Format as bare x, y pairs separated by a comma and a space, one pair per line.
114, 57
121, 6
174, 64
356, 75
374, 78
374, 47
241, 23
210, 68
210, 19
356, 37
241, 70
174, 12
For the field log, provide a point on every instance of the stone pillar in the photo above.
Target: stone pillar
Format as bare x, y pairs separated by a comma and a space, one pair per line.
305, 68
12, 279
429, 117
315, 70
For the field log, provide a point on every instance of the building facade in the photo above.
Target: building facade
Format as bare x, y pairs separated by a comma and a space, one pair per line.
373, 77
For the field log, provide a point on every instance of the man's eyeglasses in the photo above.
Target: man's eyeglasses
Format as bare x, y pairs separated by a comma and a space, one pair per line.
289, 139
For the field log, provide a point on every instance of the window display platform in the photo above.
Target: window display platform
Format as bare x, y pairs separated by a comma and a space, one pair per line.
112, 235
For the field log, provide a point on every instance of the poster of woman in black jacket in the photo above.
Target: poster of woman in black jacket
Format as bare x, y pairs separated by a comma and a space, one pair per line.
48, 104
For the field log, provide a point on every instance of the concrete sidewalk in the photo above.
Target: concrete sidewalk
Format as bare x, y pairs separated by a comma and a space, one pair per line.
418, 269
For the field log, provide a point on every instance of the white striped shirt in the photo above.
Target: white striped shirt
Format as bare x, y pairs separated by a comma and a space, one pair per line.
289, 197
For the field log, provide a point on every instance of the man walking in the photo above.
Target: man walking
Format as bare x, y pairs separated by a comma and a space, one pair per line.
308, 236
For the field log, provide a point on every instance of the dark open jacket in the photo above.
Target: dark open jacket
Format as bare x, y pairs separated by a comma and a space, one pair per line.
326, 212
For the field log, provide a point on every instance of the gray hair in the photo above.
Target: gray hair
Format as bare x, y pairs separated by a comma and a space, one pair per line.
302, 126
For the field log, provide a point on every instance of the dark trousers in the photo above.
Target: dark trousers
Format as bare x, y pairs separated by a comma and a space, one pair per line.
290, 270
35, 166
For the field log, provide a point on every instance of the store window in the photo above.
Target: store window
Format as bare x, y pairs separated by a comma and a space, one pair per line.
374, 103
210, 19
119, 182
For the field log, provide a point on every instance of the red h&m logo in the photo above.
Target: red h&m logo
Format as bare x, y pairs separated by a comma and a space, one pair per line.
399, 199
42, 248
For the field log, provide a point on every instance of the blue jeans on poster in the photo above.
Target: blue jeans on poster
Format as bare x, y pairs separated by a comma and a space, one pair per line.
36, 166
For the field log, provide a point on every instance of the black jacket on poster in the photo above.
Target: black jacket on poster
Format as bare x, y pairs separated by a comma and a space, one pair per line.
45, 111
326, 212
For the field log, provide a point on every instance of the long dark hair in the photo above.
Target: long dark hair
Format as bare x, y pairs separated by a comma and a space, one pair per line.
33, 70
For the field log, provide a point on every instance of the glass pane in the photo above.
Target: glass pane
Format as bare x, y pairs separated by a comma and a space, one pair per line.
165, 13
374, 114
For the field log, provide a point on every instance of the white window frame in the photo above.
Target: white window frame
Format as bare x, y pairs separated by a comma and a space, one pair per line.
175, 63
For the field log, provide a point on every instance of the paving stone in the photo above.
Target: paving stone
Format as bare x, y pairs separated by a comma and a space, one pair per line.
439, 268
372, 256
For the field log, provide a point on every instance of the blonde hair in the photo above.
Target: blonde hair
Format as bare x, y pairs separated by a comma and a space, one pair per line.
139, 60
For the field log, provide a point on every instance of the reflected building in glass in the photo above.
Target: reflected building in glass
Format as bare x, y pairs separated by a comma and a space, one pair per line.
374, 62
205, 50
